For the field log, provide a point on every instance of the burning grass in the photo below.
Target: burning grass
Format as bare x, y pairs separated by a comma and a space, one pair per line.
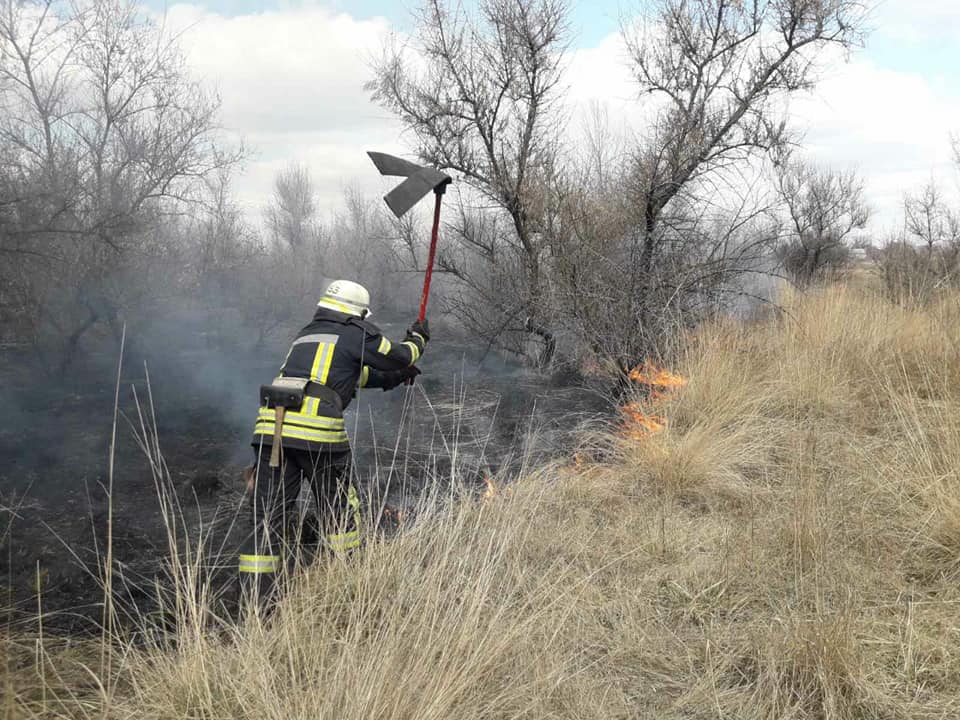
786, 545
654, 385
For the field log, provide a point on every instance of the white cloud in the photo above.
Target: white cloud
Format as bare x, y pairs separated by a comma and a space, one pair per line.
894, 127
601, 78
291, 84
291, 81
917, 21
602, 74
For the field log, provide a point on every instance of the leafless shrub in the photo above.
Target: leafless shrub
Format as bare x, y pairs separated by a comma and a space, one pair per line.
104, 135
929, 220
720, 69
682, 223
367, 244
925, 259
480, 98
824, 208
705, 260
291, 215
914, 275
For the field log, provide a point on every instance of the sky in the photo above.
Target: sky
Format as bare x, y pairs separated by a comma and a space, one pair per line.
290, 75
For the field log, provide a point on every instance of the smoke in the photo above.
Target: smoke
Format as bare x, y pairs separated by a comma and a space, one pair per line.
208, 311
193, 362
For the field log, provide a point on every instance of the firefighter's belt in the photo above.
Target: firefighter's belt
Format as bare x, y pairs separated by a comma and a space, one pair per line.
287, 393
326, 395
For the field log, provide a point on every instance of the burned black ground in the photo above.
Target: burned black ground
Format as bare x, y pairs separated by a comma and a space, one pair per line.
55, 442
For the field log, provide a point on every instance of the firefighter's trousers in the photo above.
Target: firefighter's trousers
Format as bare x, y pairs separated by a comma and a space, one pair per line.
273, 544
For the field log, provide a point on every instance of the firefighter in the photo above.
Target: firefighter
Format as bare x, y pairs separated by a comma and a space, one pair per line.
339, 351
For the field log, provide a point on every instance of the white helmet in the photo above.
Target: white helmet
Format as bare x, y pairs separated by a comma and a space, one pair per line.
346, 297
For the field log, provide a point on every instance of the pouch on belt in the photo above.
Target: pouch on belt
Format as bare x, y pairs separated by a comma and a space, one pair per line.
282, 394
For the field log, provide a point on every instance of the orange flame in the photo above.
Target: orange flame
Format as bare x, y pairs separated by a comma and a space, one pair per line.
637, 424
649, 374
493, 491
394, 515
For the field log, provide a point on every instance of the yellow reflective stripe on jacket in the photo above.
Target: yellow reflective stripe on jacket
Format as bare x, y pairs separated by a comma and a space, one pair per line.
322, 361
414, 351
259, 563
422, 338
267, 415
384, 347
298, 433
364, 376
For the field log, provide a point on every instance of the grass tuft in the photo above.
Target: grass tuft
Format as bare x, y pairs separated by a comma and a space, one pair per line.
788, 546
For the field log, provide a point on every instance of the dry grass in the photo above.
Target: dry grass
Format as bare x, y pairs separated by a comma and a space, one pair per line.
789, 547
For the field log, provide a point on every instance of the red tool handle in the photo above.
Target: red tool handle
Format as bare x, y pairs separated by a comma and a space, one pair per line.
428, 276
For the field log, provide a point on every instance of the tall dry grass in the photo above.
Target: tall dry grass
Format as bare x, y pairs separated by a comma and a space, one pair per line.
788, 547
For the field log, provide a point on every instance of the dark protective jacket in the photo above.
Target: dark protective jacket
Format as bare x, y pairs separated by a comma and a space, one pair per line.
338, 353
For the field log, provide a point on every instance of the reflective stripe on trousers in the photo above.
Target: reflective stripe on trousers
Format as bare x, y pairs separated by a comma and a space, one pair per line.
339, 542
259, 563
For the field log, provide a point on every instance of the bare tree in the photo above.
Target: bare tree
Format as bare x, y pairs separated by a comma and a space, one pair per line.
913, 273
707, 261
619, 254
479, 97
214, 250
292, 214
929, 219
104, 134
721, 69
367, 245
824, 208
695, 224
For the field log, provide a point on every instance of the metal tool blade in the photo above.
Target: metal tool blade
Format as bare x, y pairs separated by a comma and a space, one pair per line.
408, 193
392, 165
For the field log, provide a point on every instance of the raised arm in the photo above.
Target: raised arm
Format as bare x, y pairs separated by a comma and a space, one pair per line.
381, 354
386, 379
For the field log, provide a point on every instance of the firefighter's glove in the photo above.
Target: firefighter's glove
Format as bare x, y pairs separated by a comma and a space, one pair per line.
398, 377
422, 329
